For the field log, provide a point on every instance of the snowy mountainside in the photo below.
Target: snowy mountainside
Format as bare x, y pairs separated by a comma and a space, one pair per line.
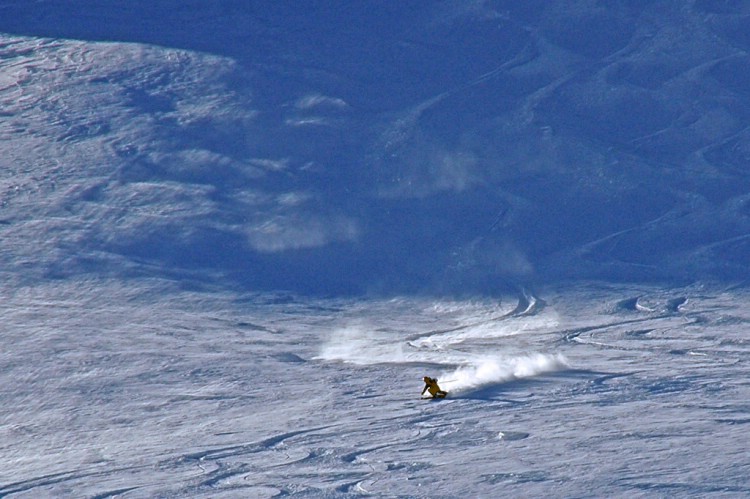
234, 237
334, 149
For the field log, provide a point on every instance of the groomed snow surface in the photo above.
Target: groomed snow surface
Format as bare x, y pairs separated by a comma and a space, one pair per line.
156, 392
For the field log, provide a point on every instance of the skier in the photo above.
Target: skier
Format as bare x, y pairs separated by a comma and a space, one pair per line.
432, 385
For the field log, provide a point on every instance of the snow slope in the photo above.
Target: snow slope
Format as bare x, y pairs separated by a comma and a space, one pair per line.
338, 149
152, 392
234, 236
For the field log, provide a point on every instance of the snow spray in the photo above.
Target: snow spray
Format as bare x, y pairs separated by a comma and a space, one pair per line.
364, 346
486, 371
361, 345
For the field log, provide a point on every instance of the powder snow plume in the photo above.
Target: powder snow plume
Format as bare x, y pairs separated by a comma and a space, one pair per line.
487, 371
364, 346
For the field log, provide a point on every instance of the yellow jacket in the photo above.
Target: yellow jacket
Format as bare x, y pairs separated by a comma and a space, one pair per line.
432, 385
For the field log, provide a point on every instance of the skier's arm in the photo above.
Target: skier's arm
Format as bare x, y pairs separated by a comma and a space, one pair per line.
424, 389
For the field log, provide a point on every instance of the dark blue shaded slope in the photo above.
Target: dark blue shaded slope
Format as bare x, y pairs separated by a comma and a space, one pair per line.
443, 147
